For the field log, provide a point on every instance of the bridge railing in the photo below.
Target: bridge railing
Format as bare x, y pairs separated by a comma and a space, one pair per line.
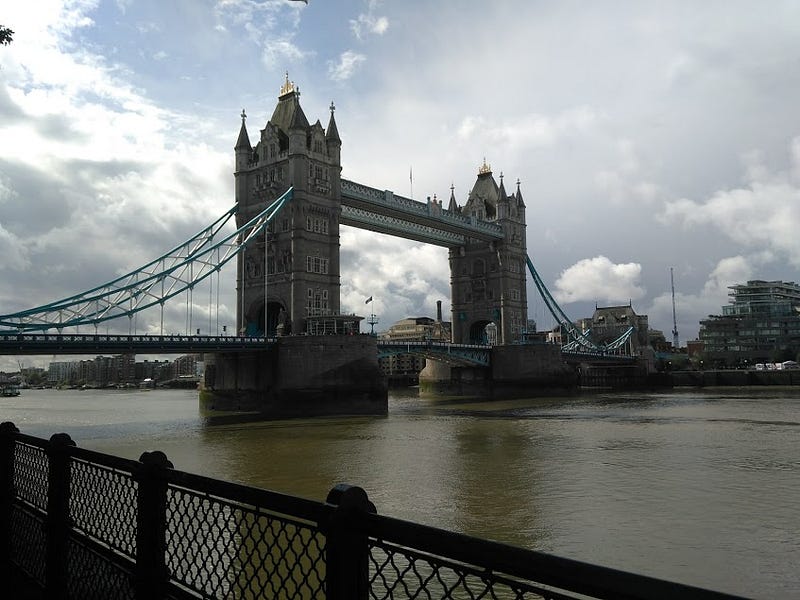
81, 524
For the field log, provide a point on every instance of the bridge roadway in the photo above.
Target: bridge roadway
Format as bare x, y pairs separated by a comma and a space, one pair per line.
90, 343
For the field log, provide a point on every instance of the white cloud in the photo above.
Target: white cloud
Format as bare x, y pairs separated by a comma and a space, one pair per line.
528, 130
601, 280
349, 62
405, 278
15, 254
368, 22
765, 214
277, 51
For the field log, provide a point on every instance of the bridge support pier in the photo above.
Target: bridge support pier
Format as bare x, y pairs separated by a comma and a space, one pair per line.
516, 371
298, 376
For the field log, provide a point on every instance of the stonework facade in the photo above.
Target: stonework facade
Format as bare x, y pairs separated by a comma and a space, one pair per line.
487, 280
300, 252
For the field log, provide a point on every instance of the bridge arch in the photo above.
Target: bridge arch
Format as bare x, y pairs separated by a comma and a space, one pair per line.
256, 316
483, 332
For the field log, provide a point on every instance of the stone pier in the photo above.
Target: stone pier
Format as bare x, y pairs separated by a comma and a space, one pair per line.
298, 376
516, 371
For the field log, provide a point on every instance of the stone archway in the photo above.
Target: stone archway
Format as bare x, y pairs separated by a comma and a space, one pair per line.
273, 314
483, 332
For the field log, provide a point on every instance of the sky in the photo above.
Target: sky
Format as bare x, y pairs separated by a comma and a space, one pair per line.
646, 136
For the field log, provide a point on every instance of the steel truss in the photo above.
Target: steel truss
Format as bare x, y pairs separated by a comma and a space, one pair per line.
173, 273
453, 354
578, 341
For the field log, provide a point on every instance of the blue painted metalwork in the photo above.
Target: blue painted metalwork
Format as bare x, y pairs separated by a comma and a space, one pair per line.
454, 354
380, 223
171, 274
12, 342
385, 212
579, 341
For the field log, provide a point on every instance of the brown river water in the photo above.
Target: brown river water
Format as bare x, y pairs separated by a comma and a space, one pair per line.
700, 487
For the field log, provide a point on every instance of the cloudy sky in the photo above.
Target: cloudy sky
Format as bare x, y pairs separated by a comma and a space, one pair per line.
646, 135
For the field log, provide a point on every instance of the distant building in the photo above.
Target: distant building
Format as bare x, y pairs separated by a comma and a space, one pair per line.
406, 367
658, 341
694, 348
761, 322
121, 370
610, 322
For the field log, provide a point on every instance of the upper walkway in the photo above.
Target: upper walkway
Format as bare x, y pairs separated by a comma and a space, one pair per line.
383, 211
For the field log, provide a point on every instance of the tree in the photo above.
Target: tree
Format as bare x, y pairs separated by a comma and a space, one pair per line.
5, 35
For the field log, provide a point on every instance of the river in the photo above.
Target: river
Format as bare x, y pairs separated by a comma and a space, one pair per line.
700, 487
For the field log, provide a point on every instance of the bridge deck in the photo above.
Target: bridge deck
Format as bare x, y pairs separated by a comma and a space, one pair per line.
81, 343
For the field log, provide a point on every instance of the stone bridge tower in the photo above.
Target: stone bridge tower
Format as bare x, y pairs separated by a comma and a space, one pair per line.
487, 280
300, 255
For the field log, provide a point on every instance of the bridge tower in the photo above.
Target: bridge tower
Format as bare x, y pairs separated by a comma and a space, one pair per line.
487, 280
301, 255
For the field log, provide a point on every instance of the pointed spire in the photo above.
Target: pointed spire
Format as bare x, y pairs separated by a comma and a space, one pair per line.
453, 206
332, 133
502, 196
243, 142
520, 201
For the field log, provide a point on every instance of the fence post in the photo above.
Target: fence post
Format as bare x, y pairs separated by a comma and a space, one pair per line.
58, 521
347, 553
7, 491
152, 575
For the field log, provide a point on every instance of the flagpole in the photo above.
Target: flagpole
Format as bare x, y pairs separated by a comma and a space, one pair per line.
372, 318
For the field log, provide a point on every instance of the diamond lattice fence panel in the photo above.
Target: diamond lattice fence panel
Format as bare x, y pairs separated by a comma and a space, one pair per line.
103, 505
30, 474
397, 572
223, 549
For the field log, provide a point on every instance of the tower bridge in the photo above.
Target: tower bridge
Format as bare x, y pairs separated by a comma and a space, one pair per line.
290, 201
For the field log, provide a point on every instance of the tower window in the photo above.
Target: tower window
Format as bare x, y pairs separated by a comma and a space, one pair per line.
316, 264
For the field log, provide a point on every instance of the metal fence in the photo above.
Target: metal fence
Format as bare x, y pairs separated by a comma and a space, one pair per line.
80, 524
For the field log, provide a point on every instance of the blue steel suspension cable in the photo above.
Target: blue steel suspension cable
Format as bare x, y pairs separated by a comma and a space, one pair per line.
138, 289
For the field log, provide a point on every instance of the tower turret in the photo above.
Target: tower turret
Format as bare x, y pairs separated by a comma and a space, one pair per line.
453, 205
503, 204
244, 152
332, 139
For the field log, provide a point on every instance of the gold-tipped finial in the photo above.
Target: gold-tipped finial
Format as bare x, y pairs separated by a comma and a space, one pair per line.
288, 86
485, 168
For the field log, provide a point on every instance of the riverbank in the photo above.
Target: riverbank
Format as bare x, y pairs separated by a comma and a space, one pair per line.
735, 378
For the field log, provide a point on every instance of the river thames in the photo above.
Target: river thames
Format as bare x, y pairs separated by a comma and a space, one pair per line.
700, 487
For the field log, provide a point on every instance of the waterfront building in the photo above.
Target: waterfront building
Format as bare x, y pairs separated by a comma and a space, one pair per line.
413, 329
610, 322
760, 324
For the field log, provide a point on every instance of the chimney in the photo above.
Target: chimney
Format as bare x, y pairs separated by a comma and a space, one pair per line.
439, 311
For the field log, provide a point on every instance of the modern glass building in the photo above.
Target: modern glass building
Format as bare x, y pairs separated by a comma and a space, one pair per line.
761, 320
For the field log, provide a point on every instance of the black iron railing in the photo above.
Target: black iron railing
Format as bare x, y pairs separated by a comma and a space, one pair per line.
80, 524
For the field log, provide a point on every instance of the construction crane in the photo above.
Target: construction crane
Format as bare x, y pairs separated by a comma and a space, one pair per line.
675, 341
